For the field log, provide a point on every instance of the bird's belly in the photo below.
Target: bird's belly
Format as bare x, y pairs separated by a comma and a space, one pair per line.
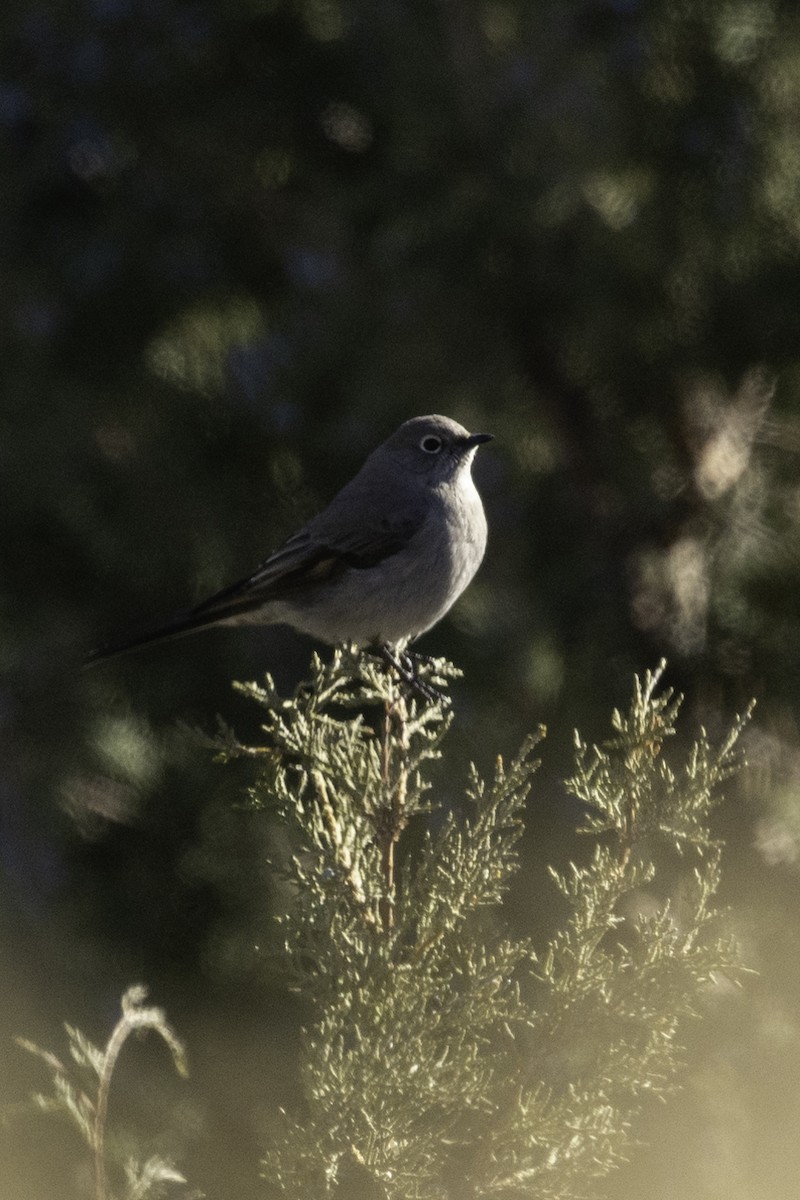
393, 601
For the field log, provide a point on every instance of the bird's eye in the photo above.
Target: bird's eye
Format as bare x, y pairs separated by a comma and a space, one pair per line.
431, 444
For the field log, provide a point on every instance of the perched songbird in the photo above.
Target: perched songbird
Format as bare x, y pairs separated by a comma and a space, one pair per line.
380, 565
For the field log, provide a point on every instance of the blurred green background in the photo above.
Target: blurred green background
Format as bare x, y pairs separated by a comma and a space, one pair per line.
240, 242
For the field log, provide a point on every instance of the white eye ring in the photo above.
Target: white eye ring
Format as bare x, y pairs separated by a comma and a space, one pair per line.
431, 444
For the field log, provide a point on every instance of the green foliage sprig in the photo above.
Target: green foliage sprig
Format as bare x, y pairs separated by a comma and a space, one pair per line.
443, 1059
82, 1091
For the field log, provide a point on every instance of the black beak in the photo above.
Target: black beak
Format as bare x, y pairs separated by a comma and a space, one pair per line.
477, 439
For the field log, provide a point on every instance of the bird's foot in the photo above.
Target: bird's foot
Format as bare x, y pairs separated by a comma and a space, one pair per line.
414, 658
407, 667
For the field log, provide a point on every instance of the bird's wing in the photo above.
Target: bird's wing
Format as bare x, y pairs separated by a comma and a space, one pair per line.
318, 552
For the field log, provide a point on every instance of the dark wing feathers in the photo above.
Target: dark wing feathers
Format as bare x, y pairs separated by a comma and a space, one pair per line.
307, 558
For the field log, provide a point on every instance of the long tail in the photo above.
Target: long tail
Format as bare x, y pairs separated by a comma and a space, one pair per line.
183, 623
294, 563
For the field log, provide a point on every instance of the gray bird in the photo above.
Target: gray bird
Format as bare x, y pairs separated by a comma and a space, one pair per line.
380, 565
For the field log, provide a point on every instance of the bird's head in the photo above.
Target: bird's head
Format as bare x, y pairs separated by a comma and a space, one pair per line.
434, 448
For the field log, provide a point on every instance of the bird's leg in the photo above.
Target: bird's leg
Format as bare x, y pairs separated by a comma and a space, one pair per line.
403, 663
398, 662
